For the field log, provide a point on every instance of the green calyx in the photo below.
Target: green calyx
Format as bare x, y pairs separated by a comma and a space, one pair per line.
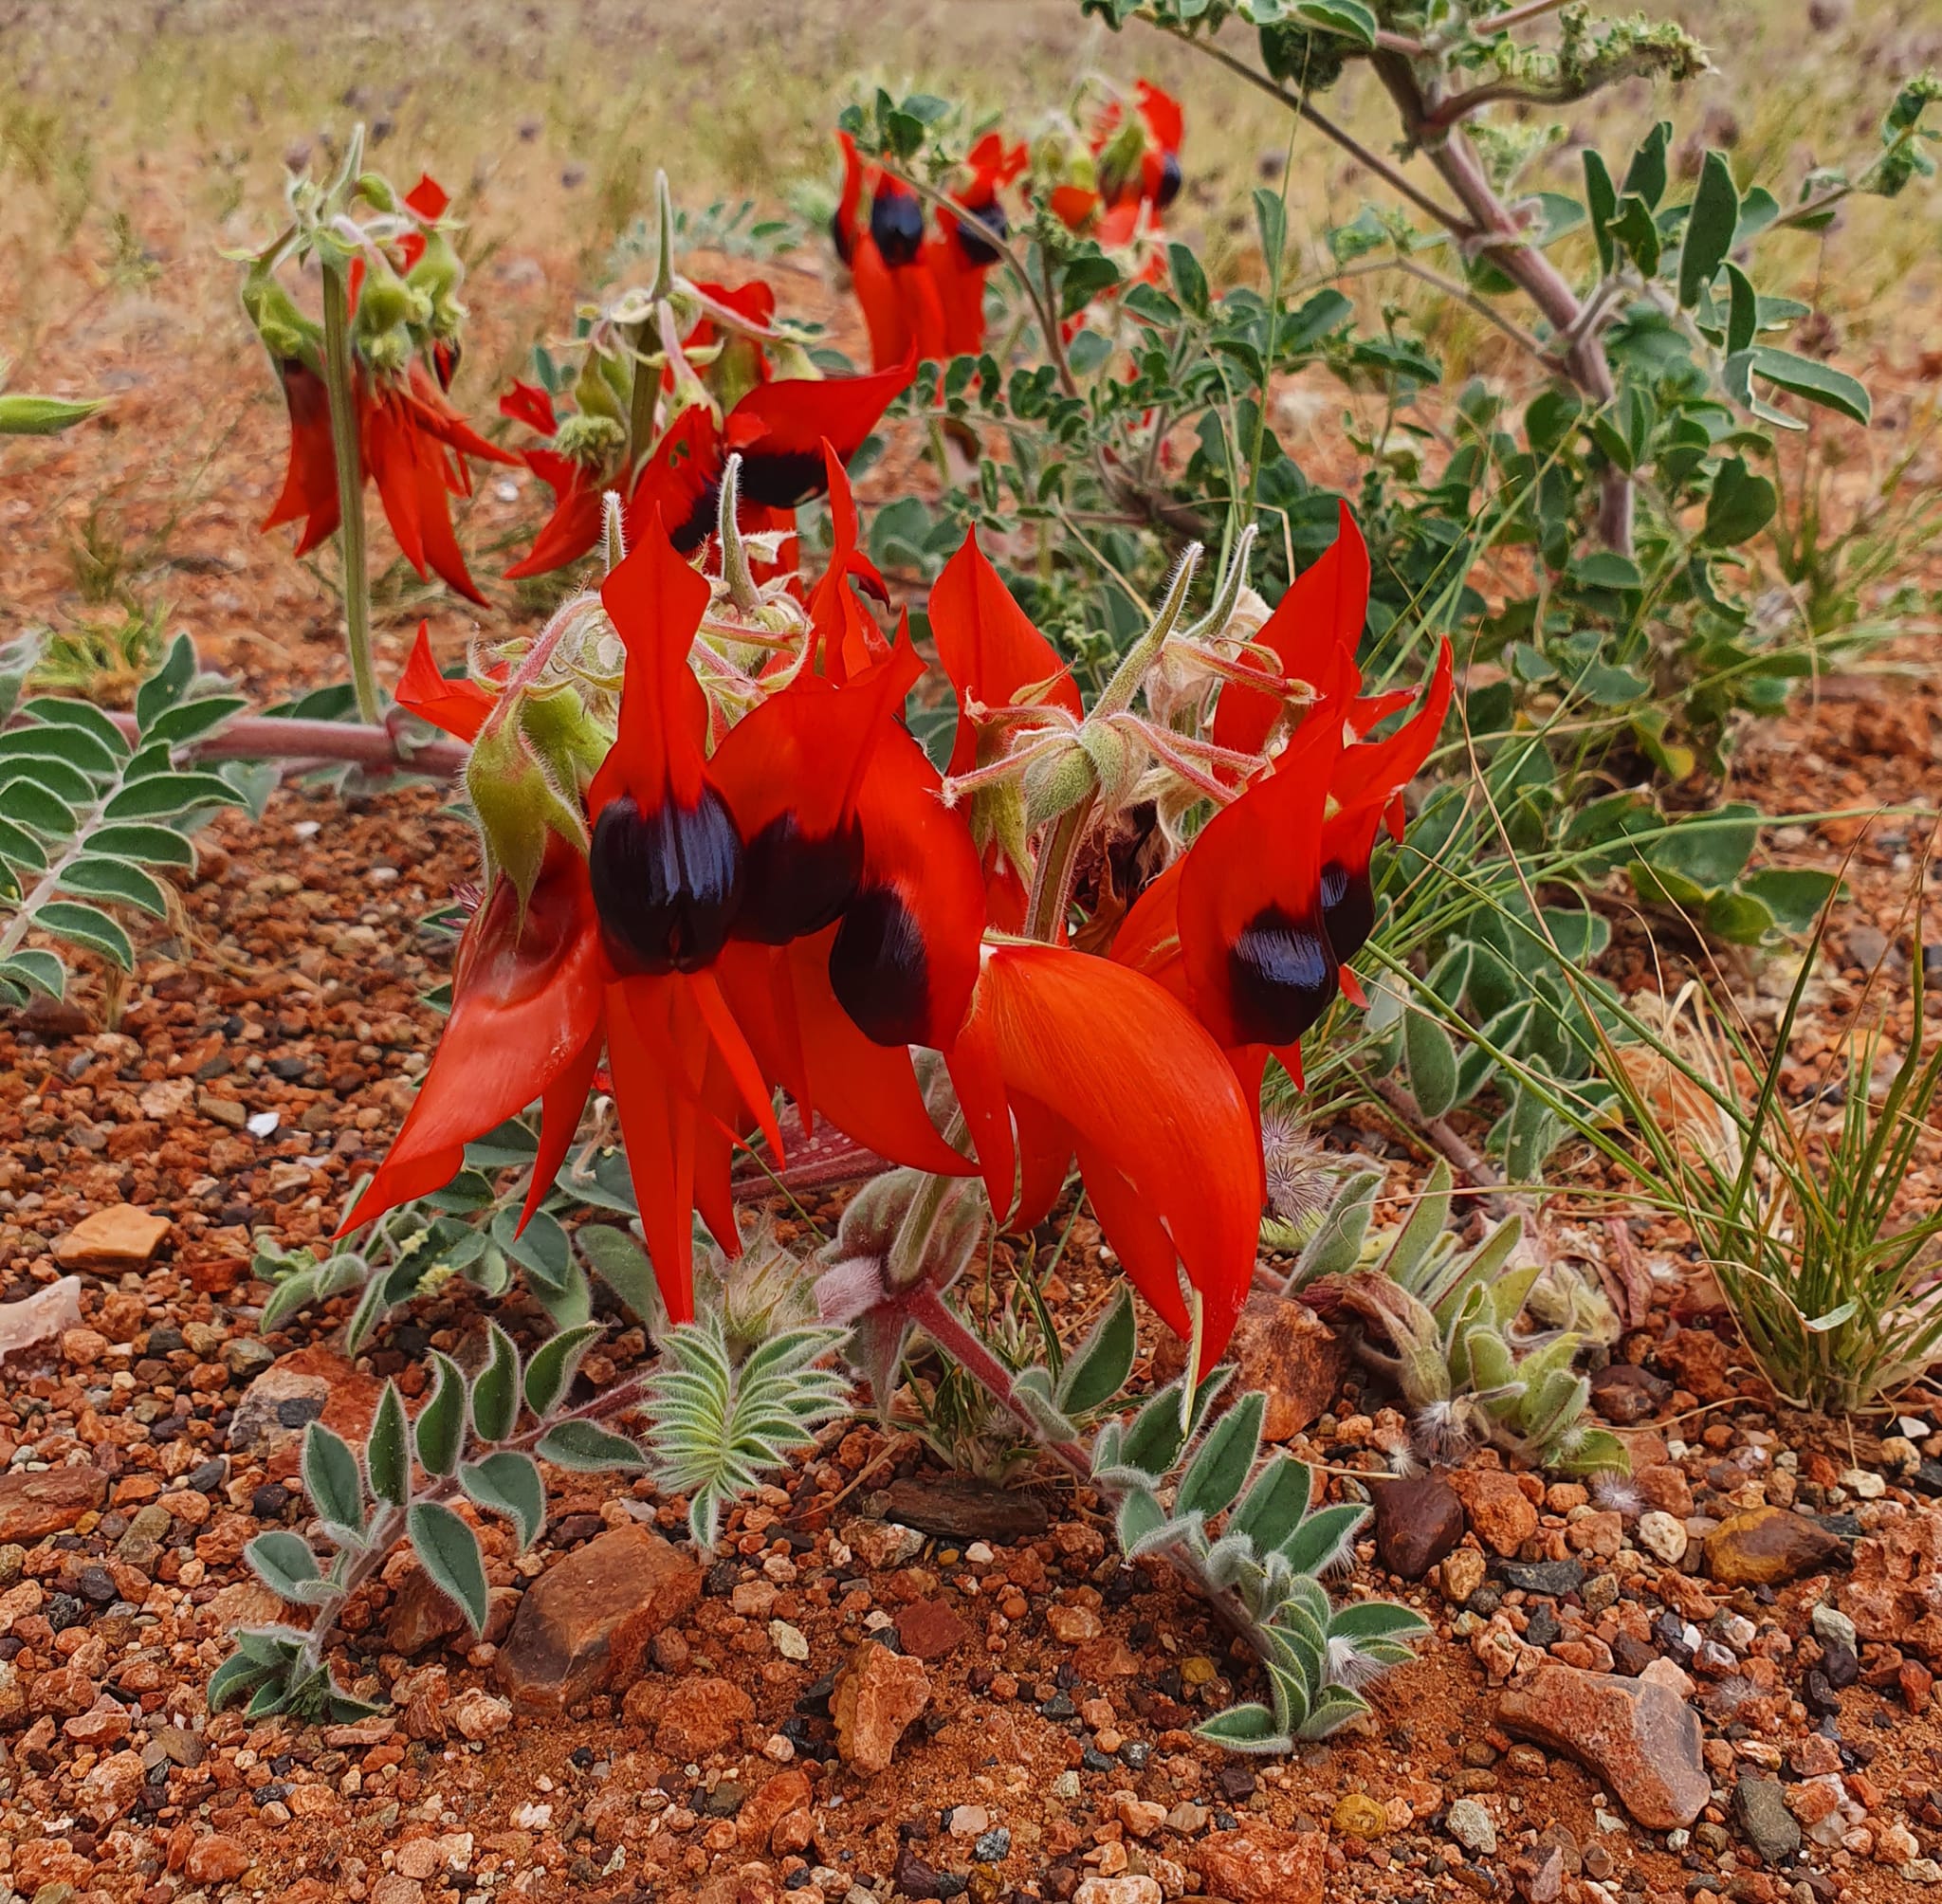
286, 333
389, 311
517, 803
437, 276
591, 440
567, 739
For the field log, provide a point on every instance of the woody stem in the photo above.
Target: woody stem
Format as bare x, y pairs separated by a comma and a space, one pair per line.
350, 468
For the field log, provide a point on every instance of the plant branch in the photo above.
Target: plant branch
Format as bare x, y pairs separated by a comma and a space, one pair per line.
381, 748
1397, 180
347, 457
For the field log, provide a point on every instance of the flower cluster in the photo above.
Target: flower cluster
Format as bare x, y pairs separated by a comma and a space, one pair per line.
403, 318
676, 380
721, 867
920, 280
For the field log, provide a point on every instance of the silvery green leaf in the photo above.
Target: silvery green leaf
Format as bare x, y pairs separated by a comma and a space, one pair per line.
449, 1551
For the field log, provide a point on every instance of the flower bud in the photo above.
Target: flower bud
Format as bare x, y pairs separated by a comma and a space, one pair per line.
1116, 759
563, 734
1056, 782
517, 802
286, 333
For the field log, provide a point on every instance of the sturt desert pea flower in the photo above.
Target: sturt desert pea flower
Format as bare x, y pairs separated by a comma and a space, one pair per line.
413, 445
1096, 1061
649, 915
921, 282
879, 233
777, 425
959, 257
1254, 924
1138, 158
1010, 684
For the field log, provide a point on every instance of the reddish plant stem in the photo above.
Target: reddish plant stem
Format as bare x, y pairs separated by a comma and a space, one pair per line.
380, 750
923, 1305
1585, 361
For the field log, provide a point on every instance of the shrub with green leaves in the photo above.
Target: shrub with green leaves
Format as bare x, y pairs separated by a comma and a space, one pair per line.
1441, 1323
1632, 449
716, 1421
90, 812
1255, 1536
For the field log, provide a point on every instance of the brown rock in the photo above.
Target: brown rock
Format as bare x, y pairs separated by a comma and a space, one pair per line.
957, 1507
32, 1505
1663, 1488
1106, 1658
104, 1723
479, 1715
1502, 1515
1265, 1866
306, 1377
1287, 1351
585, 1625
1895, 1594
215, 1860
1418, 1520
1766, 1547
422, 1615
1625, 1395
696, 1717
877, 1693
786, 1793
1639, 1736
930, 1629
1071, 1626
119, 1238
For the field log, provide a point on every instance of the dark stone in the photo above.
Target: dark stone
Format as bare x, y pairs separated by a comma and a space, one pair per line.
814, 1701
97, 1584
165, 1339
288, 1070
1542, 1627
725, 1800
268, 1501
1135, 1753
64, 1610
1838, 1664
1631, 1657
299, 1411
1093, 1759
1927, 1479
914, 1879
1553, 1579
1237, 1784
1760, 1807
1820, 1699
1418, 1520
993, 1847
1058, 1707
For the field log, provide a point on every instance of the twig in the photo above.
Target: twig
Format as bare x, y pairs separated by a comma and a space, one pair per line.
1400, 181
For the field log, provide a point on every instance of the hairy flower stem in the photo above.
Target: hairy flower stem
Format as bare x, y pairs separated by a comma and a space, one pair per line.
1052, 878
348, 458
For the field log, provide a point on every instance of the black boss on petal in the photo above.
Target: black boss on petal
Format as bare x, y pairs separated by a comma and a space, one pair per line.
896, 222
1169, 189
1282, 971
794, 884
780, 479
1348, 908
878, 970
976, 232
668, 884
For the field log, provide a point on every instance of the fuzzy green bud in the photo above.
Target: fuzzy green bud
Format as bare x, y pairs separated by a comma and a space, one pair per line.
518, 804
564, 736
1056, 782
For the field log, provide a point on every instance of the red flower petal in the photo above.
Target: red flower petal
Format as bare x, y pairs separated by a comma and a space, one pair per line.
780, 428
525, 1006
990, 649
656, 602
1165, 1136
457, 707
1324, 611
